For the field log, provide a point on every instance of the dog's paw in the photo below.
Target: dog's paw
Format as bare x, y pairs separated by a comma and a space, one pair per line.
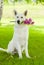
20, 57
28, 56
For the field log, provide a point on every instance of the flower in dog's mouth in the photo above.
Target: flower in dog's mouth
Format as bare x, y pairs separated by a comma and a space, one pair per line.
28, 21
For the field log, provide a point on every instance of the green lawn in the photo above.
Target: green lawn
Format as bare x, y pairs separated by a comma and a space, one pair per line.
36, 47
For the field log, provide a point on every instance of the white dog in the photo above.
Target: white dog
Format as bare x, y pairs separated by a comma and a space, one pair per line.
19, 42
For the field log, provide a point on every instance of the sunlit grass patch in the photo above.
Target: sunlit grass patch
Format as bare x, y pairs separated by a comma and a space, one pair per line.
36, 47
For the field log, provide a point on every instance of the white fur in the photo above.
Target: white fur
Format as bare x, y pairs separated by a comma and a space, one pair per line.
19, 41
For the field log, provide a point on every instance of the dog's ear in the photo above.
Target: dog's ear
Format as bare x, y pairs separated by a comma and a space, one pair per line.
15, 12
25, 13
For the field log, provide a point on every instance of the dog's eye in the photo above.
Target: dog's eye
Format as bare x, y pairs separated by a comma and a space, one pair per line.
17, 17
21, 17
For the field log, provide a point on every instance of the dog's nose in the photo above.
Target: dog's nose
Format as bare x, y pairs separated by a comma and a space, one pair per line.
18, 21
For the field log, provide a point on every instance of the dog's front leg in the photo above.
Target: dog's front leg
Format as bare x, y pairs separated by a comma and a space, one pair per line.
18, 47
26, 44
26, 50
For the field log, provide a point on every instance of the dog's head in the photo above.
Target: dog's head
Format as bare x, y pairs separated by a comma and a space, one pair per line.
19, 18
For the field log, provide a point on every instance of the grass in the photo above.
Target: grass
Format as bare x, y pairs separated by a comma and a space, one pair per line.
36, 47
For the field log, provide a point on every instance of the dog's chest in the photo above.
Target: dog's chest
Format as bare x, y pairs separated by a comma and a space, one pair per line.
21, 33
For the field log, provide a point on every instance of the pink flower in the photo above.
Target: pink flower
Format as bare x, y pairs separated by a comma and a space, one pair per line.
28, 21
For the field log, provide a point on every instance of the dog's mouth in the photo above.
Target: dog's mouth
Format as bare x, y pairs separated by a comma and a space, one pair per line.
20, 22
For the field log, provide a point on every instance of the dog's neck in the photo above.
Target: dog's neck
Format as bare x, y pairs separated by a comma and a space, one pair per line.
20, 26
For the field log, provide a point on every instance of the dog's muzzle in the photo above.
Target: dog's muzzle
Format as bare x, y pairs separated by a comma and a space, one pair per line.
19, 22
